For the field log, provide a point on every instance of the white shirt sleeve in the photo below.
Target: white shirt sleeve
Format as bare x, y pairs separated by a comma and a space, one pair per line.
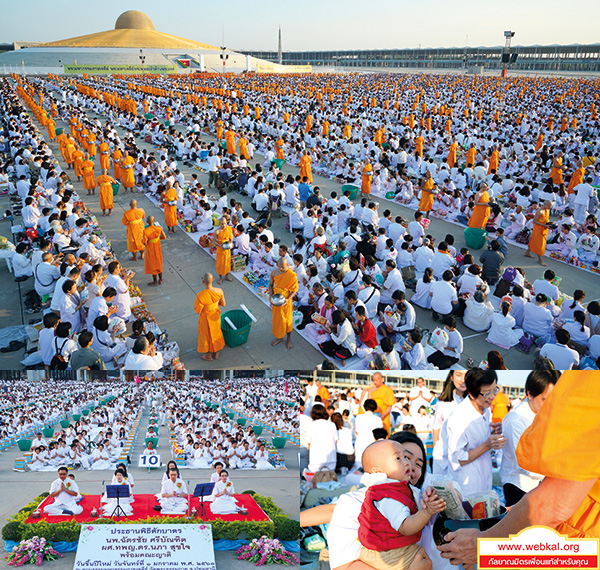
394, 511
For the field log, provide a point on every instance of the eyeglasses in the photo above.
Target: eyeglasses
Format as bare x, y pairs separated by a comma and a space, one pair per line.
491, 394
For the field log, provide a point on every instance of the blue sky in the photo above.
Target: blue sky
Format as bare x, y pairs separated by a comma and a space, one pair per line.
319, 24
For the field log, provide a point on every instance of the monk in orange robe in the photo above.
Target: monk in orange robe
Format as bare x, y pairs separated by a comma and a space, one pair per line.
77, 163
419, 145
499, 406
283, 281
207, 305
279, 148
481, 210
105, 183
367, 178
557, 167
223, 235
243, 144
104, 153
127, 176
539, 235
470, 158
576, 178
383, 395
117, 157
134, 220
427, 194
452, 154
153, 260
169, 200
89, 180
230, 141
305, 166
494, 160
51, 129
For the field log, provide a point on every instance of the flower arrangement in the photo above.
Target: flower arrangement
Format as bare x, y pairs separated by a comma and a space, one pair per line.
265, 550
32, 551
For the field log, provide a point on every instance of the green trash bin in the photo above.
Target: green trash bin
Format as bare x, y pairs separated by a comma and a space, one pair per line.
24, 444
242, 322
85, 412
231, 415
64, 424
48, 432
475, 238
278, 162
76, 417
279, 442
115, 188
149, 116
353, 190
92, 408
257, 430
241, 422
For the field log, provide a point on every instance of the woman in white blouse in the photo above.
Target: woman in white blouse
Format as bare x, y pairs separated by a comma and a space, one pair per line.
502, 332
472, 436
343, 340
70, 308
321, 438
478, 313
421, 295
345, 447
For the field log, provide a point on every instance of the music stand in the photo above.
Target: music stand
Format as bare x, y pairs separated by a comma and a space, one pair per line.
117, 492
203, 490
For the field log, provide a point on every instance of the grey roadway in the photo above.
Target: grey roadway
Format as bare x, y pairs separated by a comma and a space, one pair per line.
19, 488
185, 262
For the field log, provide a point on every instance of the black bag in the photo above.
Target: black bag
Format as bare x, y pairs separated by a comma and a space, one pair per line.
503, 288
58, 361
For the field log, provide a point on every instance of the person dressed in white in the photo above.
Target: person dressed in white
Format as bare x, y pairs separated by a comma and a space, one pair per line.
262, 458
143, 356
64, 493
173, 495
471, 436
246, 456
501, 331
453, 393
321, 439
21, 264
46, 275
518, 481
101, 458
200, 458
364, 426
418, 396
124, 502
478, 312
122, 300
224, 503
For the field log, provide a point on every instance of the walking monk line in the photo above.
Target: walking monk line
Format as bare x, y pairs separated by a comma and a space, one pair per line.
134, 220
208, 306
284, 281
153, 260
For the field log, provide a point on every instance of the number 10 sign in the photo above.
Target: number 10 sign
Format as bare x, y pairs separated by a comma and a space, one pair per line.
149, 461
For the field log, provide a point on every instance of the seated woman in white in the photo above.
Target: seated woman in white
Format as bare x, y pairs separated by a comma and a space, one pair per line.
199, 459
127, 477
110, 348
39, 459
502, 332
246, 456
216, 476
224, 503
124, 502
173, 495
170, 466
64, 492
479, 311
100, 458
262, 459
77, 458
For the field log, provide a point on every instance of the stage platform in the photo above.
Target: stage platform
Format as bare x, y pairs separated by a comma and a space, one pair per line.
143, 508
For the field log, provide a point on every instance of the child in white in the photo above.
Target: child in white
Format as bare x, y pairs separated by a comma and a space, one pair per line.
390, 528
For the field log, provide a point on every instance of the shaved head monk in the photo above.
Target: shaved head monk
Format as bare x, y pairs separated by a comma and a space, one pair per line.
284, 281
134, 220
207, 305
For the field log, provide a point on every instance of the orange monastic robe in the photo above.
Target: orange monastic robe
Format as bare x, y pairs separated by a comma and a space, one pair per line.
210, 335
230, 140
494, 160
452, 154
576, 178
117, 156
223, 262
480, 214
153, 260
243, 144
419, 145
499, 407
78, 162
104, 156
127, 177
279, 149
426, 201
305, 167
51, 130
471, 156
367, 178
134, 220
556, 173
285, 284
89, 180
539, 235
560, 444
170, 209
106, 193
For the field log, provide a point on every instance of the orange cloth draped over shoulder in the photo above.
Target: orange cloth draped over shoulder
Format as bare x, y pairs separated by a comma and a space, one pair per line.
499, 407
285, 284
170, 210
117, 156
106, 192
104, 156
230, 140
426, 201
470, 159
223, 262
556, 173
243, 144
367, 178
153, 260
89, 180
325, 395
560, 444
576, 178
539, 235
384, 396
305, 167
51, 129
419, 145
69, 151
210, 335
127, 177
494, 160
452, 154
78, 162
480, 214
279, 149
134, 220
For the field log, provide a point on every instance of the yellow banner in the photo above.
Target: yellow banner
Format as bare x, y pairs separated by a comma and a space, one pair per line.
127, 69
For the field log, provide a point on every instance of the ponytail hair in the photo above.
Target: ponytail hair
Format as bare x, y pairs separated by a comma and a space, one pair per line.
579, 317
578, 295
505, 308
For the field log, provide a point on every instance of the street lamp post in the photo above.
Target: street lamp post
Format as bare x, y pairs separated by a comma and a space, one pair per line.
508, 35
224, 57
